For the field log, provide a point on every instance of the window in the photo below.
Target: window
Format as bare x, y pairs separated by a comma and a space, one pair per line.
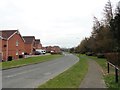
5, 46
22, 53
17, 52
17, 43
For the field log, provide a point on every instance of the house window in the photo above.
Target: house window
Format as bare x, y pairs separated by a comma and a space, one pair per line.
17, 52
22, 53
17, 43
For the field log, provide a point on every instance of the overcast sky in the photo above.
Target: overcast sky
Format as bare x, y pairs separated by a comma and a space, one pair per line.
55, 22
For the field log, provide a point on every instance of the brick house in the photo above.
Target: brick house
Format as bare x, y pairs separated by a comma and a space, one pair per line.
12, 44
0, 48
29, 44
48, 49
54, 49
38, 44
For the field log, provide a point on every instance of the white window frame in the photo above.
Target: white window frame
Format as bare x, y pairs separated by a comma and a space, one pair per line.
17, 43
17, 52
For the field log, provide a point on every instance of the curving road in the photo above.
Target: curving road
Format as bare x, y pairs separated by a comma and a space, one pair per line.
33, 75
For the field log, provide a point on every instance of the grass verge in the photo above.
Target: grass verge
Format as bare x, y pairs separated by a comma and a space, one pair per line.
70, 78
0, 65
26, 61
109, 78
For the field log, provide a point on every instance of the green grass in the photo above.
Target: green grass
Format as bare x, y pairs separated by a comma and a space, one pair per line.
110, 81
109, 78
71, 78
100, 61
30, 60
0, 65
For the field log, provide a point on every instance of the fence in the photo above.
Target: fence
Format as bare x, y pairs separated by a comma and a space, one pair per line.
114, 60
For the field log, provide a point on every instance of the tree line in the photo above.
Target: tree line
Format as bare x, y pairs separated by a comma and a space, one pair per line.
105, 35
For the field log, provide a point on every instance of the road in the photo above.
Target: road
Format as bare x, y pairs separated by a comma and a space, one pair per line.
33, 75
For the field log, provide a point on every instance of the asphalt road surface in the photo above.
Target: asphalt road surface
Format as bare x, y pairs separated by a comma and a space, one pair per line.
33, 75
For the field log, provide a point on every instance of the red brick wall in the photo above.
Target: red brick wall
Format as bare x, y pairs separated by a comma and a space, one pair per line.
1, 50
0, 45
38, 46
12, 48
56, 49
9, 47
4, 47
28, 48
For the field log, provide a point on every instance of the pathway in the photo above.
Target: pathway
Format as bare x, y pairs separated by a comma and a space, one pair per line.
94, 78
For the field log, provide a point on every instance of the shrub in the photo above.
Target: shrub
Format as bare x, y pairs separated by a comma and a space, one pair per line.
89, 53
21, 56
113, 58
100, 55
9, 58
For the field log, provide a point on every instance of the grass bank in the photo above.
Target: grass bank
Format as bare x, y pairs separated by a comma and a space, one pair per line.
26, 61
70, 78
109, 78
0, 65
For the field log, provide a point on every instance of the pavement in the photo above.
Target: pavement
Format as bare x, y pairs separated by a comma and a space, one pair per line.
94, 77
33, 75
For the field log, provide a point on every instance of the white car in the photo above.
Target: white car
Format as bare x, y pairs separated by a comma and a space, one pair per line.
41, 51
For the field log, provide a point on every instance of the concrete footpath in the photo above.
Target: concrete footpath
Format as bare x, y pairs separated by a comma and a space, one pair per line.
94, 77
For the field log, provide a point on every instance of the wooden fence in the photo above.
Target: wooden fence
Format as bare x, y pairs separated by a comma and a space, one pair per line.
114, 60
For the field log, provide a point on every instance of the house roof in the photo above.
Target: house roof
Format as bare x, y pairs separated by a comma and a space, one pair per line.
37, 41
7, 33
56, 46
29, 39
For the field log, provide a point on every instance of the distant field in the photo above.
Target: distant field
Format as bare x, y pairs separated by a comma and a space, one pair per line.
30, 60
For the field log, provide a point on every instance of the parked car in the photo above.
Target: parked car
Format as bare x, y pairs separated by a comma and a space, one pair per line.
37, 53
41, 51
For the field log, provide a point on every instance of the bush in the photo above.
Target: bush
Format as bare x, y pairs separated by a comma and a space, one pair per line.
89, 53
26, 53
20, 56
100, 55
9, 58
114, 58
